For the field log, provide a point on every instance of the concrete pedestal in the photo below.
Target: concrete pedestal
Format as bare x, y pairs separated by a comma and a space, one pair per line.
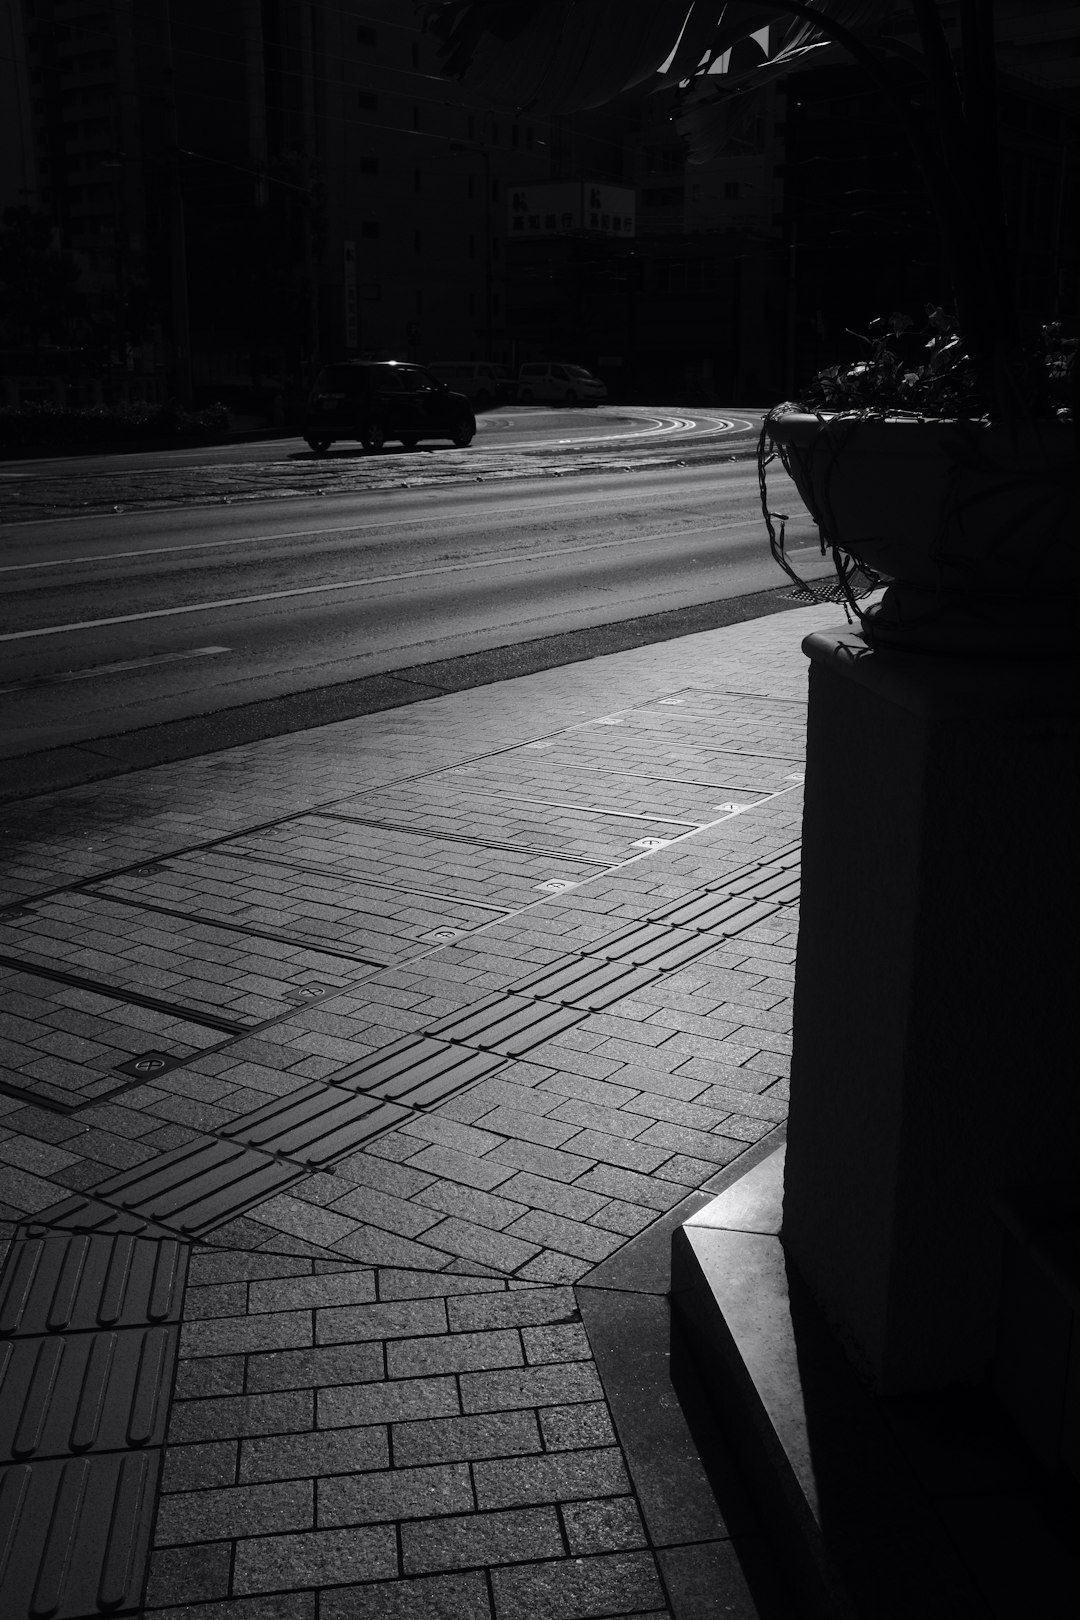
935, 1061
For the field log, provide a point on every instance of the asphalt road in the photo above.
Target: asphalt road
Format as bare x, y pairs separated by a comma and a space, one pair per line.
128, 620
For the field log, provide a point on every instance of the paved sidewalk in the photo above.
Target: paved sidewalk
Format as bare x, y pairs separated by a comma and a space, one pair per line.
360, 1076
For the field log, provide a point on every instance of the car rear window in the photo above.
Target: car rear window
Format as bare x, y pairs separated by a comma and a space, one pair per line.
343, 380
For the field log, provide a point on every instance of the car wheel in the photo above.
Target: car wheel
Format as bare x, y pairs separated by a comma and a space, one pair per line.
372, 436
463, 433
410, 441
320, 446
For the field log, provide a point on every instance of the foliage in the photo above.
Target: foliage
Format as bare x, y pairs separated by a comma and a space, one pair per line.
928, 372
49, 426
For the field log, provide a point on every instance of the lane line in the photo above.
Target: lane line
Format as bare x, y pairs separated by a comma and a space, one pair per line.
359, 584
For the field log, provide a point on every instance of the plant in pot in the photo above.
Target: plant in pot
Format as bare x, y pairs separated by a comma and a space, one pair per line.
941, 462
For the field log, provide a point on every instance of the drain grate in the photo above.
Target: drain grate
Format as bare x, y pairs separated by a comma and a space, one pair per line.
316, 1125
649, 944
583, 983
509, 1024
418, 1070
88, 1340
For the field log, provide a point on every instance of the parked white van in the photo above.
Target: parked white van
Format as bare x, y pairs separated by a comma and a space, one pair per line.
479, 380
547, 381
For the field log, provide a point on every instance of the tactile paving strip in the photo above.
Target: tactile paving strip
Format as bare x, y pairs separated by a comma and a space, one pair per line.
75, 1535
70, 1394
580, 982
418, 1070
81, 1213
67, 1284
88, 1340
651, 944
192, 1190
316, 1125
715, 913
740, 898
509, 1024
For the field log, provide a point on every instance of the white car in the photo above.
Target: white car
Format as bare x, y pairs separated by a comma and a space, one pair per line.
546, 382
479, 380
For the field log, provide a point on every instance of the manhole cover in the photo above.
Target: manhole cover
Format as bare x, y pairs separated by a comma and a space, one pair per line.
306, 992
148, 1064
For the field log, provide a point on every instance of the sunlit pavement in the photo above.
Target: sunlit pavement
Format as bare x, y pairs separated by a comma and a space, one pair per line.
515, 443
406, 1041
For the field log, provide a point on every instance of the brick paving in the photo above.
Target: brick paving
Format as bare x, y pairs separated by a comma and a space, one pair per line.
444, 1008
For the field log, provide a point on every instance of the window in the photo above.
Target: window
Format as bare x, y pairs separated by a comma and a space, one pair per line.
369, 228
731, 188
417, 179
472, 247
470, 127
369, 163
416, 118
365, 36
367, 101
417, 241
471, 187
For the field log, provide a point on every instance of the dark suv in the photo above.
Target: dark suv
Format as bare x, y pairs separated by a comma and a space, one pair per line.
376, 400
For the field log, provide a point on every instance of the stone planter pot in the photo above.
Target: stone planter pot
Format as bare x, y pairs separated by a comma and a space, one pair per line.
972, 525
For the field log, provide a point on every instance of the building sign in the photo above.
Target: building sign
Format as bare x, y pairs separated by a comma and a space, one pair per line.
352, 312
570, 207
